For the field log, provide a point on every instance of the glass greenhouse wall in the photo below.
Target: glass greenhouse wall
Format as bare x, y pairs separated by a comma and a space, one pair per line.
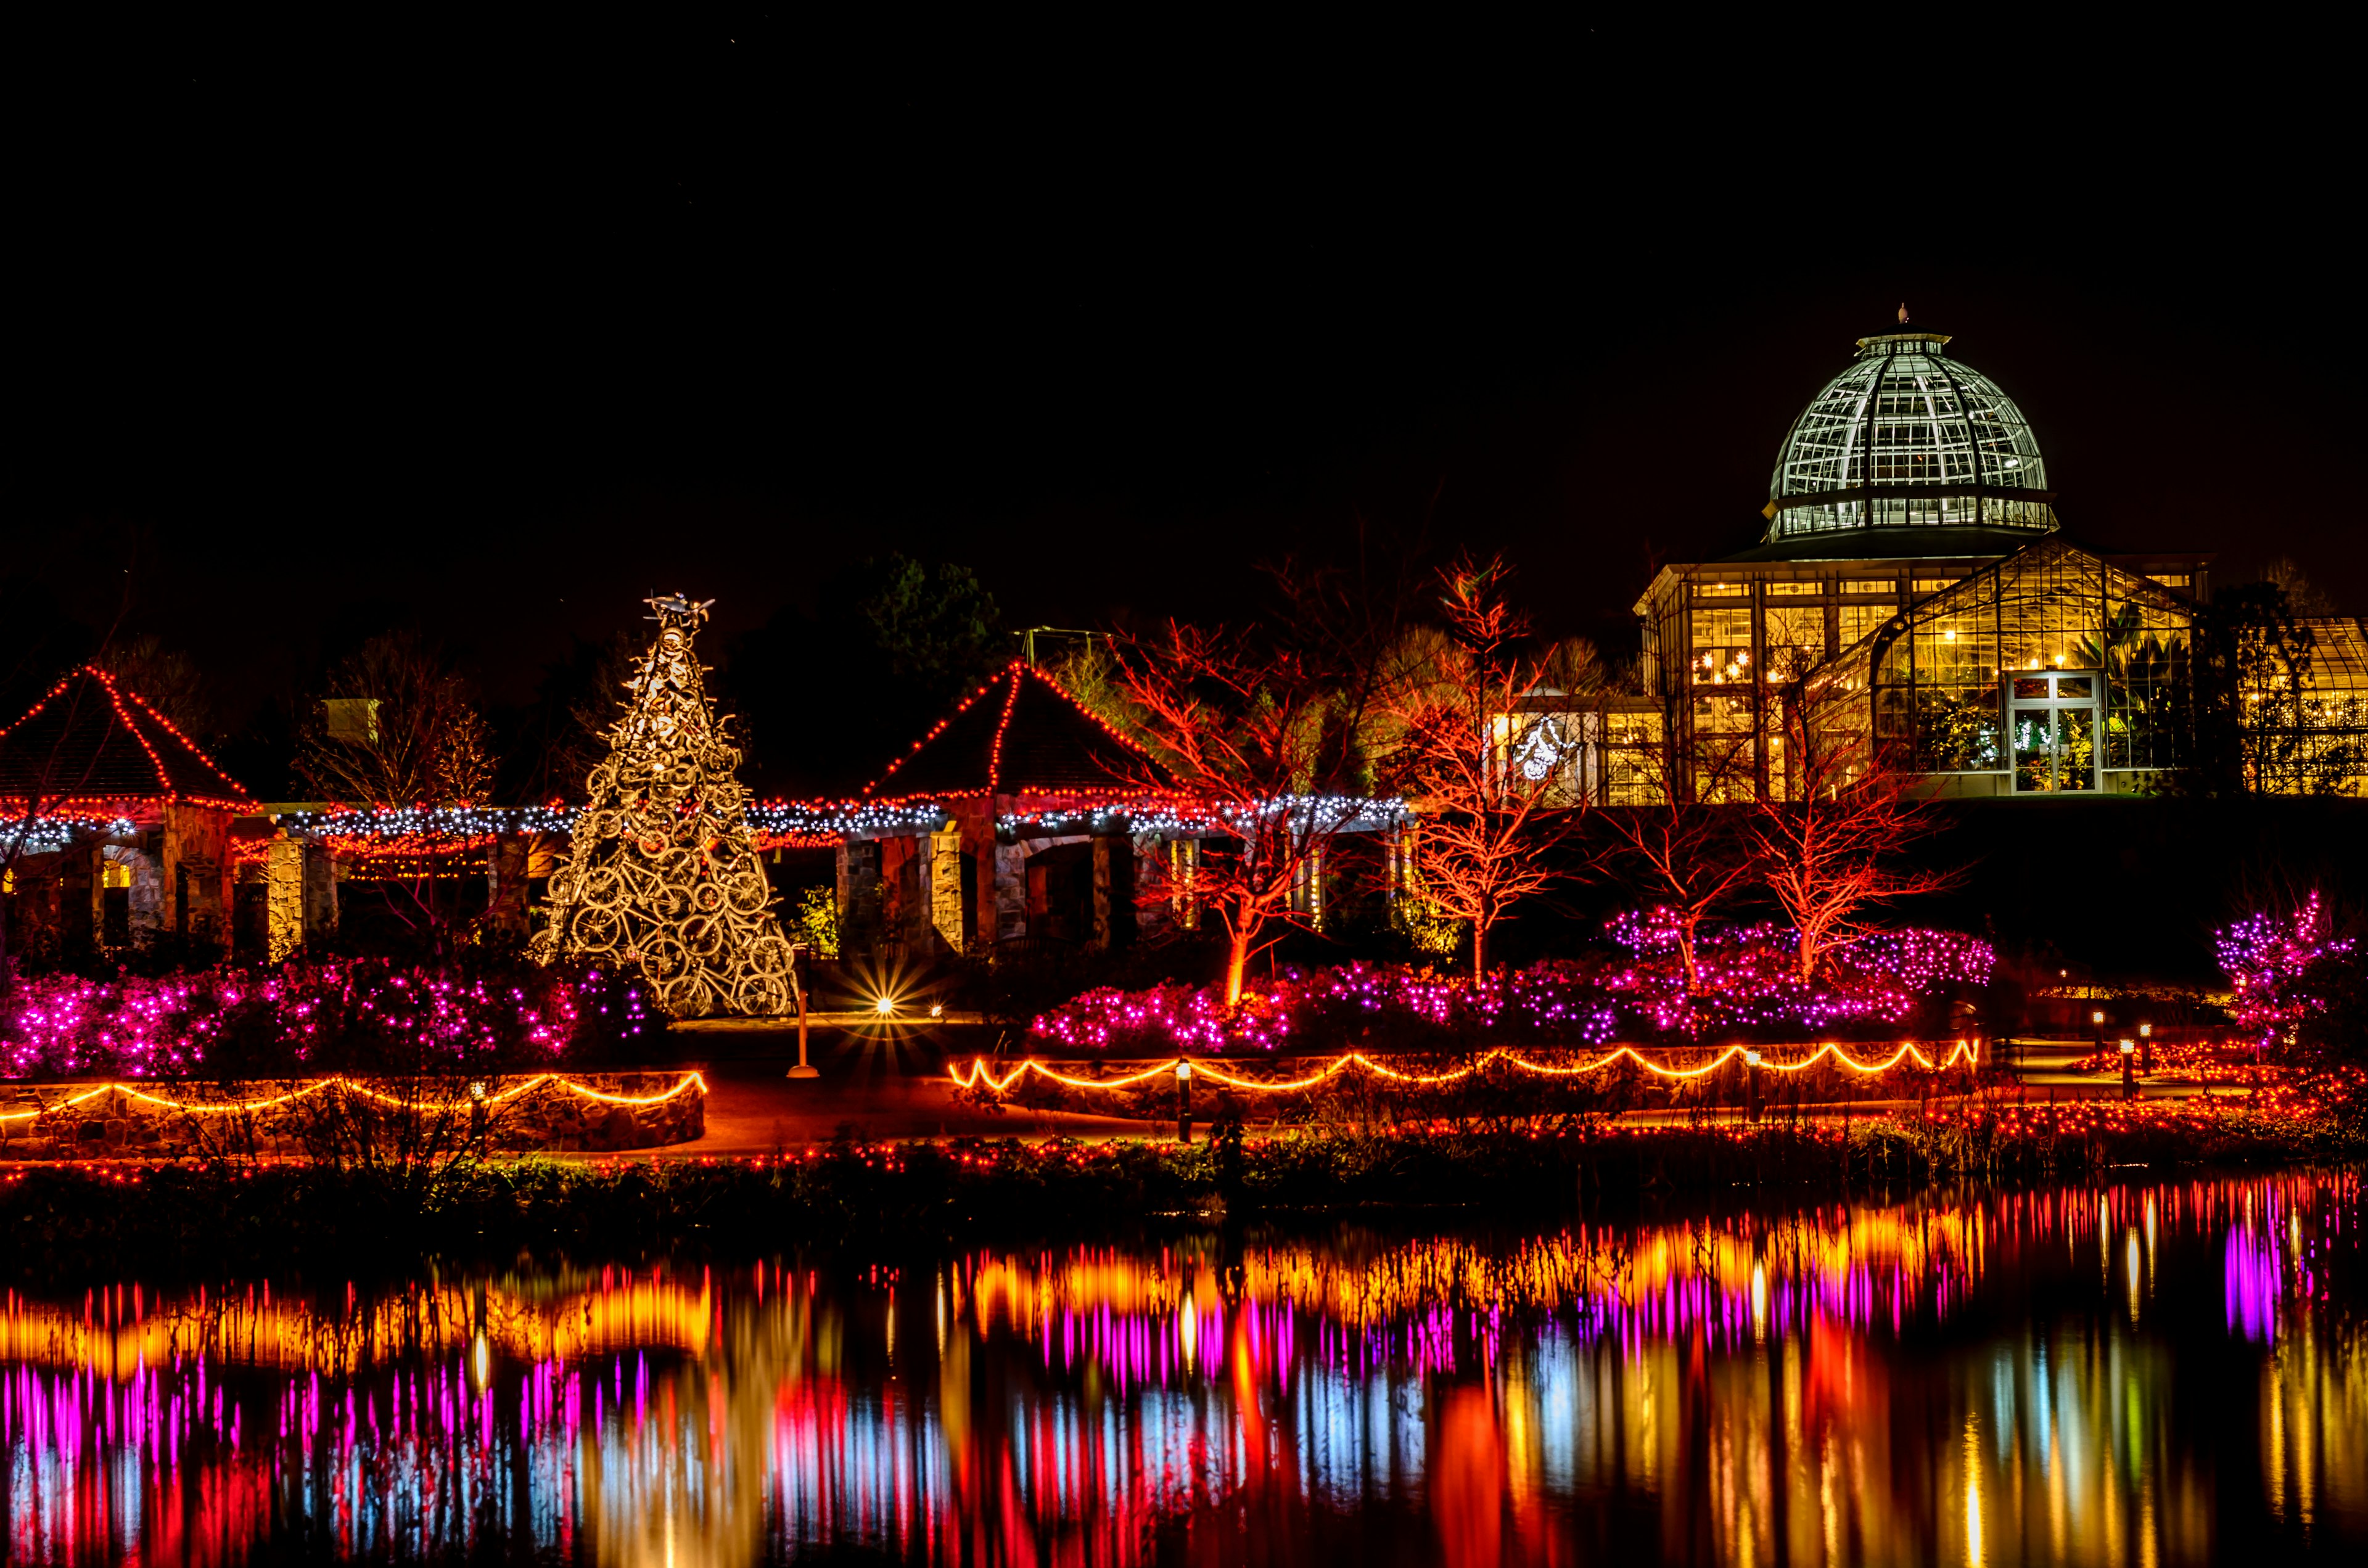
2050, 672
2310, 737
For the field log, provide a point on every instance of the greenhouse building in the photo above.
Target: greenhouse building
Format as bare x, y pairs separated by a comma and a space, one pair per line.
1913, 576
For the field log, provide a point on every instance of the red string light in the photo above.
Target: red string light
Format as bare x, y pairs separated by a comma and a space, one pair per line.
238, 801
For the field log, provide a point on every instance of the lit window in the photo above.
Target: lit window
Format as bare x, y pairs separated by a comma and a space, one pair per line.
1934, 584
1794, 590
1721, 590
1869, 585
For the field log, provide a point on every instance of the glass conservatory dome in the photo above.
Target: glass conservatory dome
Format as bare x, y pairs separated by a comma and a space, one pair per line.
1907, 438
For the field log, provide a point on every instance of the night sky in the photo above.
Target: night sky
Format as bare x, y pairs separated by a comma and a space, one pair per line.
495, 332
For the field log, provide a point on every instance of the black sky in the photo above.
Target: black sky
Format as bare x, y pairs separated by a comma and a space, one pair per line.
496, 329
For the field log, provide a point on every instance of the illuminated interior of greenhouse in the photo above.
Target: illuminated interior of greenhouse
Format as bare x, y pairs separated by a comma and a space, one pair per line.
1915, 587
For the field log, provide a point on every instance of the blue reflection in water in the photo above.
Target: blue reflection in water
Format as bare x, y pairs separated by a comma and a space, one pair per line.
2150, 1373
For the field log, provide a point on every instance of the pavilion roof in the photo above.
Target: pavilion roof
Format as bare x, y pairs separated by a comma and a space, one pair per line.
90, 744
1021, 733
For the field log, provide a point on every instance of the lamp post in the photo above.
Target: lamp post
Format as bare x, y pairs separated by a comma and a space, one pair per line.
804, 1069
2129, 1078
2145, 1047
1751, 1064
1183, 1100
2097, 1029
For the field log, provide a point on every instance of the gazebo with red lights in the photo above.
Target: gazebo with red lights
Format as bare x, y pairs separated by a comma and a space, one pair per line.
116, 822
1020, 816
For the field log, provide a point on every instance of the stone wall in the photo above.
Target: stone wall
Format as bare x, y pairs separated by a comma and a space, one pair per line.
548, 1119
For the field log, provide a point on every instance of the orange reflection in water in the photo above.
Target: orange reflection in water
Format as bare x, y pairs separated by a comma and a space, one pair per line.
2146, 1373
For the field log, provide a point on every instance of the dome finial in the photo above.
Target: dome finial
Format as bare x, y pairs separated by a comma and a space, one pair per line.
1903, 312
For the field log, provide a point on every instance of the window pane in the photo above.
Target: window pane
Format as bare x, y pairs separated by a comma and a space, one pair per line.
2076, 750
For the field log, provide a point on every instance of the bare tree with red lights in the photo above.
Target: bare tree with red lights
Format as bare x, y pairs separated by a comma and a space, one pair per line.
1828, 828
1684, 846
1491, 775
1264, 729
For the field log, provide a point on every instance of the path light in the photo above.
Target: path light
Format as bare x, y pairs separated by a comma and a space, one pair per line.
883, 1006
1183, 1100
2145, 1047
937, 1009
2129, 1061
2097, 1019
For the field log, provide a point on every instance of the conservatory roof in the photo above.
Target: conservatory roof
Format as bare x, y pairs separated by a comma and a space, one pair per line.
1019, 734
1905, 423
2338, 655
92, 743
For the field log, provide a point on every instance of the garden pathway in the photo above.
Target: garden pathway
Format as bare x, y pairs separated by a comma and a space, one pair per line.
885, 1082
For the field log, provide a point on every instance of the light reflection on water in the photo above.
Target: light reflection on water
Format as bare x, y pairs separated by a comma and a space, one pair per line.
2149, 1374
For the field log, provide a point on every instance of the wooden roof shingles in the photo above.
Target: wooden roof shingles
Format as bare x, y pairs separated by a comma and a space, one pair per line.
89, 742
1020, 734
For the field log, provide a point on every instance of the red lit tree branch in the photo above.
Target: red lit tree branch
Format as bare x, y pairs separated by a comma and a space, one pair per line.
1683, 843
1266, 731
1830, 825
1492, 779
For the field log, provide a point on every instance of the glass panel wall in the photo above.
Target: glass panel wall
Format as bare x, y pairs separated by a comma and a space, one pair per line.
1936, 685
2314, 740
1796, 640
1634, 767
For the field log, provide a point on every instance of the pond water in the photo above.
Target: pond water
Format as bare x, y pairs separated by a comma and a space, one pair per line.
2147, 1374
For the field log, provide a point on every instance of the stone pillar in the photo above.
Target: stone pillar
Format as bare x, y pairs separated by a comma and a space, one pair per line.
858, 895
198, 870
1184, 881
1010, 892
319, 891
1307, 888
283, 895
945, 887
505, 859
152, 895
983, 921
1113, 893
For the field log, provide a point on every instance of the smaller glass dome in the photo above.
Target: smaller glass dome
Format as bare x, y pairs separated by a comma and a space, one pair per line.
1907, 438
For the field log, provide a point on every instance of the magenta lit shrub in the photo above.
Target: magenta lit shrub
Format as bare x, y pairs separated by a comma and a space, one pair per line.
346, 1014
1748, 983
2279, 967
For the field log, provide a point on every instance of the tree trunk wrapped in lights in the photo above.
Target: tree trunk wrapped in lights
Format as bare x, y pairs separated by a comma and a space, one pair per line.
663, 875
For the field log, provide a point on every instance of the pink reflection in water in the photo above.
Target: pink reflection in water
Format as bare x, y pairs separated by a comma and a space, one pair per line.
1725, 1391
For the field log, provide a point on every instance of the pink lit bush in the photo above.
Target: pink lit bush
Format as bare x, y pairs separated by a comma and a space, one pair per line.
1748, 977
346, 1014
1748, 982
2269, 960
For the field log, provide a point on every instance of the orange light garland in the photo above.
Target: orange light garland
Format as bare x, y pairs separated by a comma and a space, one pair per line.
206, 1108
979, 1073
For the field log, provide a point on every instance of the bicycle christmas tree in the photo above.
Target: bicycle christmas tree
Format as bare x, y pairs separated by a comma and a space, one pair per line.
663, 875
